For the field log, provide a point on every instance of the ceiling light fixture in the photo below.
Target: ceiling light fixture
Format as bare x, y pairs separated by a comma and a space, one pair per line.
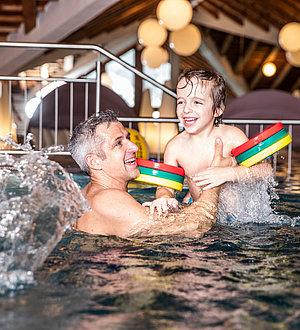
269, 69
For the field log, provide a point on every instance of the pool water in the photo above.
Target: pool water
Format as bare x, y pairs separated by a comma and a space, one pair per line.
236, 277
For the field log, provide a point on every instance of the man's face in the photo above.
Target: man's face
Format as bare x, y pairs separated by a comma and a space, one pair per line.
194, 105
119, 152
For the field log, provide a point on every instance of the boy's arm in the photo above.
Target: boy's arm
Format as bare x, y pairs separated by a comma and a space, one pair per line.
213, 177
258, 171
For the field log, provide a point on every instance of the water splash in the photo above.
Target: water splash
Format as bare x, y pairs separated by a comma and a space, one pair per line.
26, 146
250, 202
38, 202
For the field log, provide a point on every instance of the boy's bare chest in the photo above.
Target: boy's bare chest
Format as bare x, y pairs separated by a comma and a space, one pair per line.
195, 158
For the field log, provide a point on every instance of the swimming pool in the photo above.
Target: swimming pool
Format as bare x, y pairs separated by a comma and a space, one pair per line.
235, 277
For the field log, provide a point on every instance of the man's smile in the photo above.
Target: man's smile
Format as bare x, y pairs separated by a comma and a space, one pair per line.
131, 161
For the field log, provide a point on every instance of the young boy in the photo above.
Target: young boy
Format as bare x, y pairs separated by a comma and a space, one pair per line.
200, 106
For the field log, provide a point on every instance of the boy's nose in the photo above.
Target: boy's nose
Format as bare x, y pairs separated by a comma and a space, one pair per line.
186, 109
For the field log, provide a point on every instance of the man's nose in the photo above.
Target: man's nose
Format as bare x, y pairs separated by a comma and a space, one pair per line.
132, 147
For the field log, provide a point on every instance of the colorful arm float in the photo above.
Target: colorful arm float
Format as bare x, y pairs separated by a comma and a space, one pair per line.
262, 145
160, 174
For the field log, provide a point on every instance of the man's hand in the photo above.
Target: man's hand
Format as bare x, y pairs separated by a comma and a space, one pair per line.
219, 172
219, 160
162, 205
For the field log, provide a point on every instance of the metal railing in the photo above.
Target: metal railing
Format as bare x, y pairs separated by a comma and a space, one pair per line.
247, 124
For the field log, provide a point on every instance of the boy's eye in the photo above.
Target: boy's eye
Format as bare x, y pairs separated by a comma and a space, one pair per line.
179, 102
197, 102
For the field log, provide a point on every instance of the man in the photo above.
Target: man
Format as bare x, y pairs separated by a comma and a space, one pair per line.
102, 148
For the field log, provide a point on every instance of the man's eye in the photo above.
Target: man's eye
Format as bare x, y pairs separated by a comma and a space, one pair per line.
118, 144
197, 102
179, 102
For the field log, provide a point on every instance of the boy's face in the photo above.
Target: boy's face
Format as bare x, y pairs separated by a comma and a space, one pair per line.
195, 105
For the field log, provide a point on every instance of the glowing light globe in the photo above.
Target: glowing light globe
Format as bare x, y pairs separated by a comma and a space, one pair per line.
269, 69
151, 33
154, 56
186, 41
174, 14
289, 37
293, 58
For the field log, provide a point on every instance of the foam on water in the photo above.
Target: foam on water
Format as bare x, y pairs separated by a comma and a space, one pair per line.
38, 201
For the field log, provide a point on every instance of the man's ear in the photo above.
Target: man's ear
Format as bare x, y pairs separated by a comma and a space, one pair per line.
93, 161
219, 111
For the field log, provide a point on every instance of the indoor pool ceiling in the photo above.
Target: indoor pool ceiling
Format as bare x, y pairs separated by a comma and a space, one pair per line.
242, 34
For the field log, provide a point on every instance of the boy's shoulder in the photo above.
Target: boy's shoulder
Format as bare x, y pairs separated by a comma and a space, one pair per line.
230, 130
177, 141
232, 134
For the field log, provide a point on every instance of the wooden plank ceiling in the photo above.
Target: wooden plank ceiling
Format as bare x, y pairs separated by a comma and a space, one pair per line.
15, 12
245, 55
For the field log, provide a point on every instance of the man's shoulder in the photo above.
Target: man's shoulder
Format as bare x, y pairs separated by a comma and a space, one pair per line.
109, 195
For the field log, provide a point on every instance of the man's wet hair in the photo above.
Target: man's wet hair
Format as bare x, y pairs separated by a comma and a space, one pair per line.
218, 89
84, 139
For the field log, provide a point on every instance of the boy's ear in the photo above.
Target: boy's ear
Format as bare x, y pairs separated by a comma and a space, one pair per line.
93, 161
219, 111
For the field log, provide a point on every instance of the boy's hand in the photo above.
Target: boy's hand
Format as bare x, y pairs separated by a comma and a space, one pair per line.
219, 172
162, 205
214, 176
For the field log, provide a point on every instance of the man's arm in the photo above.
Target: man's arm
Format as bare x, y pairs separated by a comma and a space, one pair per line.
115, 212
193, 220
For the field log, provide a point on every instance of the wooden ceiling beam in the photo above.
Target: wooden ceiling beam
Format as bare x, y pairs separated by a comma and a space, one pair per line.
209, 8
247, 12
226, 43
7, 29
243, 59
10, 24
17, 19
16, 9
210, 52
225, 24
110, 21
293, 4
29, 14
264, 9
296, 85
221, 6
281, 76
270, 58
284, 9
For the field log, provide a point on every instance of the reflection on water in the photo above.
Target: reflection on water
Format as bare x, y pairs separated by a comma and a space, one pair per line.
244, 276
233, 278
